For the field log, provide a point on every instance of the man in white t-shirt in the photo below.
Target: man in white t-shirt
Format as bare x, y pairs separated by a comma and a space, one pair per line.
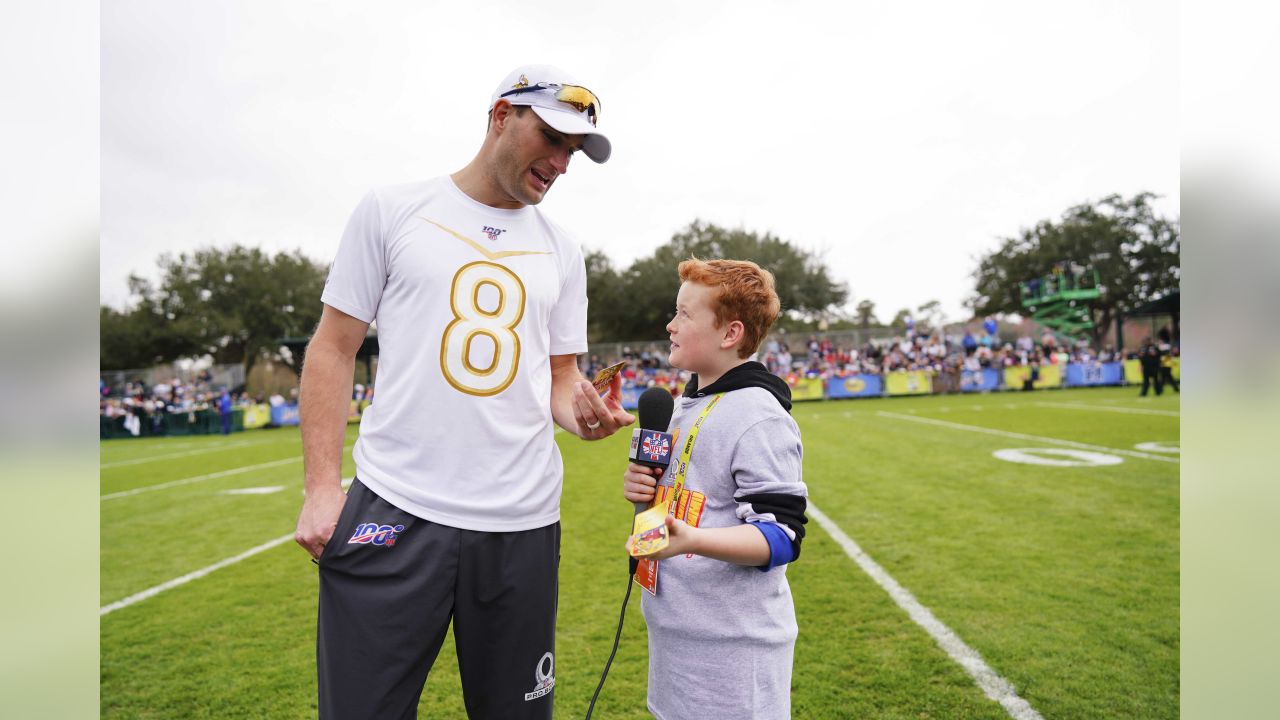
480, 303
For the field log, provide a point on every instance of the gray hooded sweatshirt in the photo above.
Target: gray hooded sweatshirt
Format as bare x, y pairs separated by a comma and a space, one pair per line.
722, 636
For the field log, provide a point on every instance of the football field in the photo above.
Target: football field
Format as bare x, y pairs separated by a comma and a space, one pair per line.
977, 556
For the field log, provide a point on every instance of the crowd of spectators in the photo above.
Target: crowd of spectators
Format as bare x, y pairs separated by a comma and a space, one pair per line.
146, 407
977, 346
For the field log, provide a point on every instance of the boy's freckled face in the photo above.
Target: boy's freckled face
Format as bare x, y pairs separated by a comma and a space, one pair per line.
695, 339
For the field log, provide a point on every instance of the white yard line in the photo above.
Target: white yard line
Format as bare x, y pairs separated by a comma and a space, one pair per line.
153, 591
198, 478
994, 686
201, 478
1133, 411
1024, 436
153, 458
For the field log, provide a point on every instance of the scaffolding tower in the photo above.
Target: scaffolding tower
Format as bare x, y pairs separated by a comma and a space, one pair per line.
1061, 299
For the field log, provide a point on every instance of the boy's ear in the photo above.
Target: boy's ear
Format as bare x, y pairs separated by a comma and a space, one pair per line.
733, 334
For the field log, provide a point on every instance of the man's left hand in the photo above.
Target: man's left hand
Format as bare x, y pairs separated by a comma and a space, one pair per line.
599, 417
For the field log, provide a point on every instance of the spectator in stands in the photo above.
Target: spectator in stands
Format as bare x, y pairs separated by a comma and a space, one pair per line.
784, 361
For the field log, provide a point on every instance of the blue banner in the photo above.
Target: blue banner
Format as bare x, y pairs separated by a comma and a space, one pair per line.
631, 397
284, 415
984, 380
853, 386
1094, 373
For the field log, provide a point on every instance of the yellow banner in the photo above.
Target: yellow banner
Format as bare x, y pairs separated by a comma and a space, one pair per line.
807, 389
908, 382
256, 416
1050, 377
1133, 372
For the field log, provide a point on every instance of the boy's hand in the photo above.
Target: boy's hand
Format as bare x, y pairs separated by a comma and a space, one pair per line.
682, 540
639, 483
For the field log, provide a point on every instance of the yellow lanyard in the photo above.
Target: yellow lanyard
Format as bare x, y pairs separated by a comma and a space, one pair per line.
682, 469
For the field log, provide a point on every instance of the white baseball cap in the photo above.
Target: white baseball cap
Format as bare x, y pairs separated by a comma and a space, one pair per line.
561, 103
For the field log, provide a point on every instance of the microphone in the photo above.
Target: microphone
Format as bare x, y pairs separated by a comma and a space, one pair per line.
651, 444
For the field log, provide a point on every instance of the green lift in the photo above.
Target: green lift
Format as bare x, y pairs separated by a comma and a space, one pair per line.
1060, 300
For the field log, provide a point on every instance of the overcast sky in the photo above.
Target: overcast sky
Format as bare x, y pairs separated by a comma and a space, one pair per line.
899, 140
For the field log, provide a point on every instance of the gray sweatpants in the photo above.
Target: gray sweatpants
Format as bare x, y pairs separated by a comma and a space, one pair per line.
391, 582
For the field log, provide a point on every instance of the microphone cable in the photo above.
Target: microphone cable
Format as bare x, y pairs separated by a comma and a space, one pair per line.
616, 638
654, 408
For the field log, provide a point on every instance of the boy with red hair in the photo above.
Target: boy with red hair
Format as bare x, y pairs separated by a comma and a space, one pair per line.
721, 621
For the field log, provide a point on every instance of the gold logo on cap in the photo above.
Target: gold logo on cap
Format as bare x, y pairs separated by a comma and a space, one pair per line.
523, 82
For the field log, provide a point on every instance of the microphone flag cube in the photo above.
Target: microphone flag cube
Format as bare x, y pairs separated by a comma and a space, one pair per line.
651, 447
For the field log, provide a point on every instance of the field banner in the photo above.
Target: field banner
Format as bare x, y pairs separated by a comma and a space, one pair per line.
256, 416
631, 397
1094, 373
1050, 377
284, 415
984, 380
1133, 372
855, 386
908, 382
806, 389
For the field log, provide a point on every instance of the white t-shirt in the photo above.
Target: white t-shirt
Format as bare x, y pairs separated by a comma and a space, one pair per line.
470, 302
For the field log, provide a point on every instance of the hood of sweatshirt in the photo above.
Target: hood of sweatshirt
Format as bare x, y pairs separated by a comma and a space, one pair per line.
748, 374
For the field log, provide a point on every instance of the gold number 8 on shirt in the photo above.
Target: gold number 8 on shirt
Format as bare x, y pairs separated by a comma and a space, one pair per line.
471, 321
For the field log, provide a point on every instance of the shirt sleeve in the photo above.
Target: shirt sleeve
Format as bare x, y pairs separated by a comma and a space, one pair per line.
767, 470
568, 321
359, 271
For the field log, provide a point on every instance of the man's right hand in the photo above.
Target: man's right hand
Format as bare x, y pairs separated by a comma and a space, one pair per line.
319, 518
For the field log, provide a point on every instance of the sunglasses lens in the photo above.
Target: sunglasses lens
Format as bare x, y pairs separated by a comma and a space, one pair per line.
582, 99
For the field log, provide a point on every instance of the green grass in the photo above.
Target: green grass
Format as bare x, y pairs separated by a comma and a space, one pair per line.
1064, 579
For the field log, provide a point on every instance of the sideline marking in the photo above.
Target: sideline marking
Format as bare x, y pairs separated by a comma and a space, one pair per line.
256, 490
1133, 411
1162, 447
139, 461
1075, 458
200, 478
992, 685
1033, 438
153, 591
346, 485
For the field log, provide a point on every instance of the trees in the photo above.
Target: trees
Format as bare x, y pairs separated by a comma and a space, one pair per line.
234, 304
930, 316
1135, 252
865, 314
646, 291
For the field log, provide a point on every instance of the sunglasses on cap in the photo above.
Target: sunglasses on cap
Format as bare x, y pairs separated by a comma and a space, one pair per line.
582, 99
